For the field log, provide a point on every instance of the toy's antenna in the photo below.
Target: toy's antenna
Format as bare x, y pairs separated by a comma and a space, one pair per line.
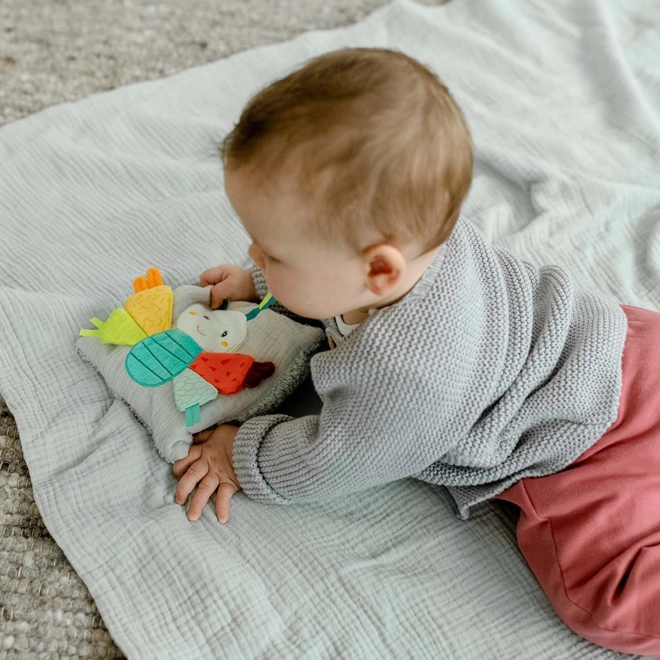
266, 302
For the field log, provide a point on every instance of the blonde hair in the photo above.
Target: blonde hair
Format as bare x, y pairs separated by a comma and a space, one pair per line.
376, 136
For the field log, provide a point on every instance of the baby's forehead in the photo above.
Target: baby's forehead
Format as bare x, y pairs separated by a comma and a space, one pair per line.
268, 203
281, 221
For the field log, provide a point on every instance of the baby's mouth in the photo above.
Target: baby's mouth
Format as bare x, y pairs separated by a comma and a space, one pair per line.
200, 332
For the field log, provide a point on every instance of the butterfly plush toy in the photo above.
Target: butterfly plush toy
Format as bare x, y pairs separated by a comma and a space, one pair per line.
198, 355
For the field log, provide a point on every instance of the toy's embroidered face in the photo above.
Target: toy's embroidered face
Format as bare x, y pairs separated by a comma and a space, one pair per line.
218, 331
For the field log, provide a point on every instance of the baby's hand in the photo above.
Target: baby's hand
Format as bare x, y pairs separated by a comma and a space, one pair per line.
209, 459
231, 282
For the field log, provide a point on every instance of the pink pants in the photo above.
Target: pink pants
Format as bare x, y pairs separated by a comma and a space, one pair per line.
591, 533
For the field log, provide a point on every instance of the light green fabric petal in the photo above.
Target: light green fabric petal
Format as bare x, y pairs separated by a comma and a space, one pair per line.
119, 329
190, 389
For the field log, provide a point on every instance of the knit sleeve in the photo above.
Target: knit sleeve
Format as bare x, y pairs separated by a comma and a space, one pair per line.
373, 429
262, 289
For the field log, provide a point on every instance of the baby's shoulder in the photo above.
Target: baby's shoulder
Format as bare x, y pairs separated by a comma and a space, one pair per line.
394, 338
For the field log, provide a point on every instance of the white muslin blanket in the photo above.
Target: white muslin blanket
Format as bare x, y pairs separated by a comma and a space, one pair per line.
563, 100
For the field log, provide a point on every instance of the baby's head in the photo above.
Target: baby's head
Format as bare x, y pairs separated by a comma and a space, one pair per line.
348, 174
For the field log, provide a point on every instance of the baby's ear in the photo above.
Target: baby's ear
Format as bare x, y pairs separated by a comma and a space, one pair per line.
386, 266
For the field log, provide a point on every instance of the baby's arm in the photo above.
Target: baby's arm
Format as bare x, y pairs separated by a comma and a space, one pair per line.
372, 430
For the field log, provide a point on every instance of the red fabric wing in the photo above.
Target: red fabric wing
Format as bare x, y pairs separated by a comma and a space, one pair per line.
225, 371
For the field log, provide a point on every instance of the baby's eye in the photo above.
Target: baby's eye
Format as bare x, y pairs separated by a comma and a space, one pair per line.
224, 334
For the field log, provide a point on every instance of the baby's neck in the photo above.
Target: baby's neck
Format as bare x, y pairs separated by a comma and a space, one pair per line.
354, 316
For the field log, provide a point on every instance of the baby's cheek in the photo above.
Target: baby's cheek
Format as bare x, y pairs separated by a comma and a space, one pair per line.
274, 284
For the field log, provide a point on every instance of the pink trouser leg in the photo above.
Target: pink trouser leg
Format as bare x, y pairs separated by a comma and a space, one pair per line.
591, 533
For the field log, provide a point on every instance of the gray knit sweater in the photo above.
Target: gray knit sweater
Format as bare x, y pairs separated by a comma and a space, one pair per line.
487, 371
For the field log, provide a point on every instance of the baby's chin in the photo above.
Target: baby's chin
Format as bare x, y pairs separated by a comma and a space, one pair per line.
307, 314
317, 309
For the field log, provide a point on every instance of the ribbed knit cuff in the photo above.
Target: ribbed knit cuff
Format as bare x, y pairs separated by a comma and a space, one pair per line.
259, 281
246, 458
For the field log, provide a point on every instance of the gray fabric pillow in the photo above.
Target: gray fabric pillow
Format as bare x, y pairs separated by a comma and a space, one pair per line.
268, 337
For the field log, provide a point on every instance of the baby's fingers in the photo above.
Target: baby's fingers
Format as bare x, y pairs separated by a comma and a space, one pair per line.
220, 293
203, 436
205, 489
179, 467
196, 472
213, 275
222, 499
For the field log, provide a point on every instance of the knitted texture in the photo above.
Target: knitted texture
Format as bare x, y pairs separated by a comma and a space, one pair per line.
489, 370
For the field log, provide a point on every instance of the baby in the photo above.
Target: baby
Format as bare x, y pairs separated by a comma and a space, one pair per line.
452, 360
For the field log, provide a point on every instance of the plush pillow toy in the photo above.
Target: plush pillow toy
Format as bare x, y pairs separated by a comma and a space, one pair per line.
182, 367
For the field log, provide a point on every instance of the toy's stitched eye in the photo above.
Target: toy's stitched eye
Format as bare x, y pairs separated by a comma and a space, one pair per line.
206, 317
224, 334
